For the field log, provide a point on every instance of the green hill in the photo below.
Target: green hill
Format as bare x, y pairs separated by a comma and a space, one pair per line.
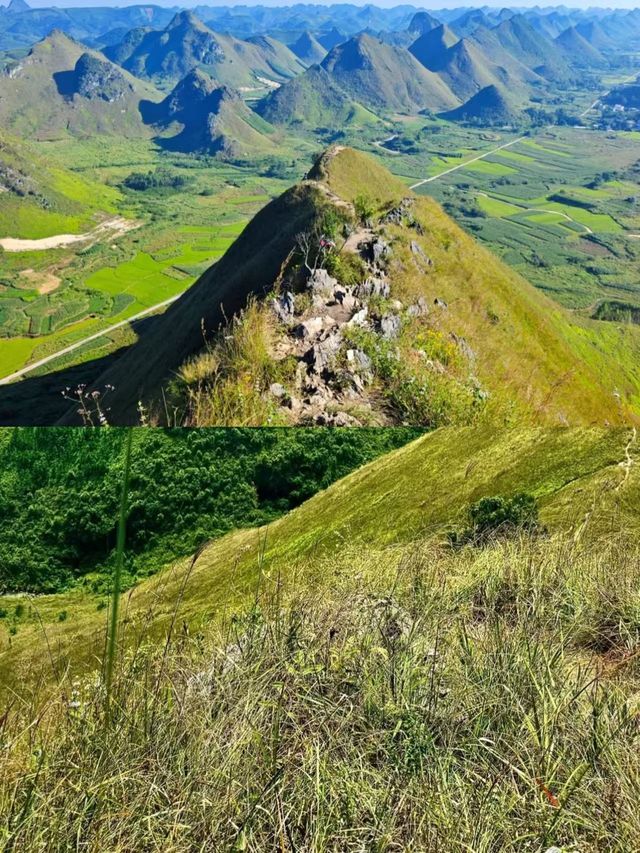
422, 22
214, 119
531, 48
490, 106
313, 100
386, 77
186, 43
578, 51
62, 87
595, 35
475, 340
464, 68
431, 47
308, 49
520, 73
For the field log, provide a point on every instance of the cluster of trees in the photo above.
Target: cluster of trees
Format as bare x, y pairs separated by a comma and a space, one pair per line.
59, 492
161, 178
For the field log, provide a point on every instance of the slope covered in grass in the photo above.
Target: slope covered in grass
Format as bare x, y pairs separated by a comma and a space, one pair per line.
38, 199
386, 77
490, 106
214, 119
585, 481
313, 100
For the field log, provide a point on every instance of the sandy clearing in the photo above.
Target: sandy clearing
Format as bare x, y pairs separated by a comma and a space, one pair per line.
44, 282
113, 227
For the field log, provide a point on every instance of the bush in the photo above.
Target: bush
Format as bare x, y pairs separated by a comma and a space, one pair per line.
498, 516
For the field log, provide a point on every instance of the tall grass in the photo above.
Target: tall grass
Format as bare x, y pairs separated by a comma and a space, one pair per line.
226, 384
399, 699
112, 637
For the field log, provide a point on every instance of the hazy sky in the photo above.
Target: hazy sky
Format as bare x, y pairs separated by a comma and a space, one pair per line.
425, 4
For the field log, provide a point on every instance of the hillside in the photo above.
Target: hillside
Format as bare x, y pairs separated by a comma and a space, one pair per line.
490, 106
420, 24
38, 198
578, 52
308, 49
214, 119
525, 45
313, 100
465, 69
595, 36
386, 77
474, 338
582, 480
186, 43
352, 673
430, 49
63, 87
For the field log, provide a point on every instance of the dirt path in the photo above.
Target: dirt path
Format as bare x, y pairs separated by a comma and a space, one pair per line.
110, 228
522, 207
6, 380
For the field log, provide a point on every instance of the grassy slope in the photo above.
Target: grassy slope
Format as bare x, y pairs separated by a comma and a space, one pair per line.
385, 77
69, 199
422, 489
552, 365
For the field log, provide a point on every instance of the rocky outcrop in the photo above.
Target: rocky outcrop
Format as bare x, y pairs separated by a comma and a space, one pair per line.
98, 80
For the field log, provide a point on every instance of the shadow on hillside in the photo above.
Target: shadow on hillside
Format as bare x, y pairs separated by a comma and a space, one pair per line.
38, 400
65, 83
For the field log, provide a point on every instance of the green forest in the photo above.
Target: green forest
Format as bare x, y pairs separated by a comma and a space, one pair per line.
59, 492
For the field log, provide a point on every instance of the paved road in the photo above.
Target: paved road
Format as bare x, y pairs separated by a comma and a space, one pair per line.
604, 94
13, 376
466, 163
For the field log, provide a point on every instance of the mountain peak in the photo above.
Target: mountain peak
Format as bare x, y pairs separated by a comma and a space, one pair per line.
308, 48
17, 6
490, 106
423, 22
185, 19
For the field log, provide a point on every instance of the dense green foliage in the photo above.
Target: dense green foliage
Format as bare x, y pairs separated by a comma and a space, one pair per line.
158, 179
59, 492
498, 515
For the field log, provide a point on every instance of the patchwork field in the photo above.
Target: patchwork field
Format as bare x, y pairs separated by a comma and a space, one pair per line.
567, 223
55, 297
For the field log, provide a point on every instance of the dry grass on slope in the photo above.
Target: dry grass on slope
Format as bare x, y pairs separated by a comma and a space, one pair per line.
475, 700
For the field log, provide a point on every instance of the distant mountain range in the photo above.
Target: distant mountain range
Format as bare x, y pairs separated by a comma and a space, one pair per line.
186, 43
477, 65
605, 29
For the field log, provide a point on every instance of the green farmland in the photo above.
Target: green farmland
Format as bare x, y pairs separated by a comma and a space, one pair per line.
566, 223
